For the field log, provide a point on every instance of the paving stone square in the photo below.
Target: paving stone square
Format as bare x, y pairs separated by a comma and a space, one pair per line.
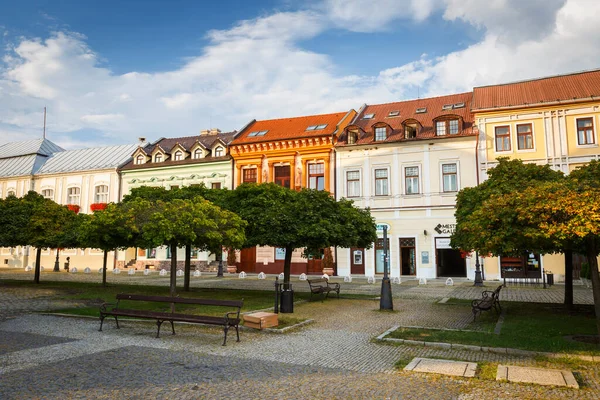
444, 367
540, 376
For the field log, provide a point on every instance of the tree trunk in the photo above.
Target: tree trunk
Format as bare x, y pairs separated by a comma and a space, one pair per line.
38, 260
287, 267
569, 279
187, 268
173, 270
104, 268
592, 255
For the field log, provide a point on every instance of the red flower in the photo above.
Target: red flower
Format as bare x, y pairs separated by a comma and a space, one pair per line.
73, 207
98, 206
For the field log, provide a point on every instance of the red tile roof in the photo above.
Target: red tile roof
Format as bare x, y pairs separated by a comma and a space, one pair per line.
578, 86
289, 128
407, 110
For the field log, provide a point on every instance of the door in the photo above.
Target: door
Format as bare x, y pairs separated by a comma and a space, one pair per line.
247, 260
408, 263
357, 261
314, 266
449, 262
379, 255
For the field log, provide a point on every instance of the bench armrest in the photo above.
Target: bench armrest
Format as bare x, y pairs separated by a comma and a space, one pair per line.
104, 305
335, 285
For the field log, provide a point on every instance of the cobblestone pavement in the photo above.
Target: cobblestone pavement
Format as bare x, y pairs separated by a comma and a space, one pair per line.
45, 356
408, 289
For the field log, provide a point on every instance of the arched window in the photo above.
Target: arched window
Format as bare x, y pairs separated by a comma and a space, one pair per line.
11, 193
139, 159
73, 195
352, 137
101, 194
178, 156
411, 128
198, 153
158, 158
219, 152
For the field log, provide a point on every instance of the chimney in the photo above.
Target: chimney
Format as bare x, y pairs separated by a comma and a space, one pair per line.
215, 131
204, 132
142, 140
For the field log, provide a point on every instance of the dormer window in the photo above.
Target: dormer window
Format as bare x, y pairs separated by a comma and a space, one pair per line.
158, 158
219, 152
198, 153
178, 156
411, 128
352, 136
447, 126
140, 159
380, 133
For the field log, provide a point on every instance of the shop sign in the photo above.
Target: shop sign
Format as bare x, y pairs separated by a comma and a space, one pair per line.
381, 226
445, 229
280, 253
442, 243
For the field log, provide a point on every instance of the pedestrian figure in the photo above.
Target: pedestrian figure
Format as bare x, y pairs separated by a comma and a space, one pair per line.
67, 264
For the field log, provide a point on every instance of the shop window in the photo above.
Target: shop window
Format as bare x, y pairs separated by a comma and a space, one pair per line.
526, 266
151, 253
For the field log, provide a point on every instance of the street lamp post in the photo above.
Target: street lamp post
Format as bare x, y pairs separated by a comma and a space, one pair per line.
385, 303
57, 263
478, 278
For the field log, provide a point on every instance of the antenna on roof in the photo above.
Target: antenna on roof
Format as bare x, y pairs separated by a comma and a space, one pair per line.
418, 93
44, 122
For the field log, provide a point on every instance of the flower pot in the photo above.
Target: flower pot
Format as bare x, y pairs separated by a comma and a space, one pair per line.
232, 269
328, 271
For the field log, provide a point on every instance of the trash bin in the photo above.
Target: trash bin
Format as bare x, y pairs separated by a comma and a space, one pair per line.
287, 301
549, 278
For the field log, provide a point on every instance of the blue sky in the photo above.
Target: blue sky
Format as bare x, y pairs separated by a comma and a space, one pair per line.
112, 71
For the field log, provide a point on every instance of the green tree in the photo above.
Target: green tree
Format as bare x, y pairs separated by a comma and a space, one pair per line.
490, 226
109, 229
309, 219
180, 222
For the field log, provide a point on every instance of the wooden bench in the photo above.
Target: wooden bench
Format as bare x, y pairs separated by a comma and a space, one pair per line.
322, 287
229, 320
489, 299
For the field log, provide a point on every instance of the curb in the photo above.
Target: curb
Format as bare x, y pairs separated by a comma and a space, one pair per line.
496, 350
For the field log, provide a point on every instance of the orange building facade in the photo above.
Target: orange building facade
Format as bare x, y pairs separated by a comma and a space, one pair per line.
292, 152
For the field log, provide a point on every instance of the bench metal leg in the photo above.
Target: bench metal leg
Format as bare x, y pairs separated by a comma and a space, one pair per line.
101, 322
225, 329
117, 321
237, 331
158, 323
172, 327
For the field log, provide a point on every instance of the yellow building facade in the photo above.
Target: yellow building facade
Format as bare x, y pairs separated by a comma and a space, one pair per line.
550, 121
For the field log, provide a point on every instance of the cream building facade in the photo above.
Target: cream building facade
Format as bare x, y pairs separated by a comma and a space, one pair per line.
550, 121
406, 161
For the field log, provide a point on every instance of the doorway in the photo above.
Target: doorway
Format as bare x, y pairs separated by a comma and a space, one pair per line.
357, 264
247, 260
408, 264
314, 262
449, 262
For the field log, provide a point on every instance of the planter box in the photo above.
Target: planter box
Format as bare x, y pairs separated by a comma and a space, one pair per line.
261, 320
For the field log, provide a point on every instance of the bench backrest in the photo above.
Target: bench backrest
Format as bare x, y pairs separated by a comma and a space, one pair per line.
314, 281
181, 300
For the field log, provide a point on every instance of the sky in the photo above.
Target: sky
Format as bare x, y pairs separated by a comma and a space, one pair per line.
112, 71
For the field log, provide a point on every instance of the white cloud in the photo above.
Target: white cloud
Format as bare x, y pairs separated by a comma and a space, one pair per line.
258, 69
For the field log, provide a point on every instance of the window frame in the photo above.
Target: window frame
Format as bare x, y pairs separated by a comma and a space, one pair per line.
446, 122
594, 142
178, 156
158, 157
456, 176
51, 197
417, 178
530, 133
354, 182
219, 151
377, 137
97, 194
315, 175
408, 123
140, 159
215, 185
246, 173
385, 179
503, 135
198, 153
353, 135
71, 196
282, 180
